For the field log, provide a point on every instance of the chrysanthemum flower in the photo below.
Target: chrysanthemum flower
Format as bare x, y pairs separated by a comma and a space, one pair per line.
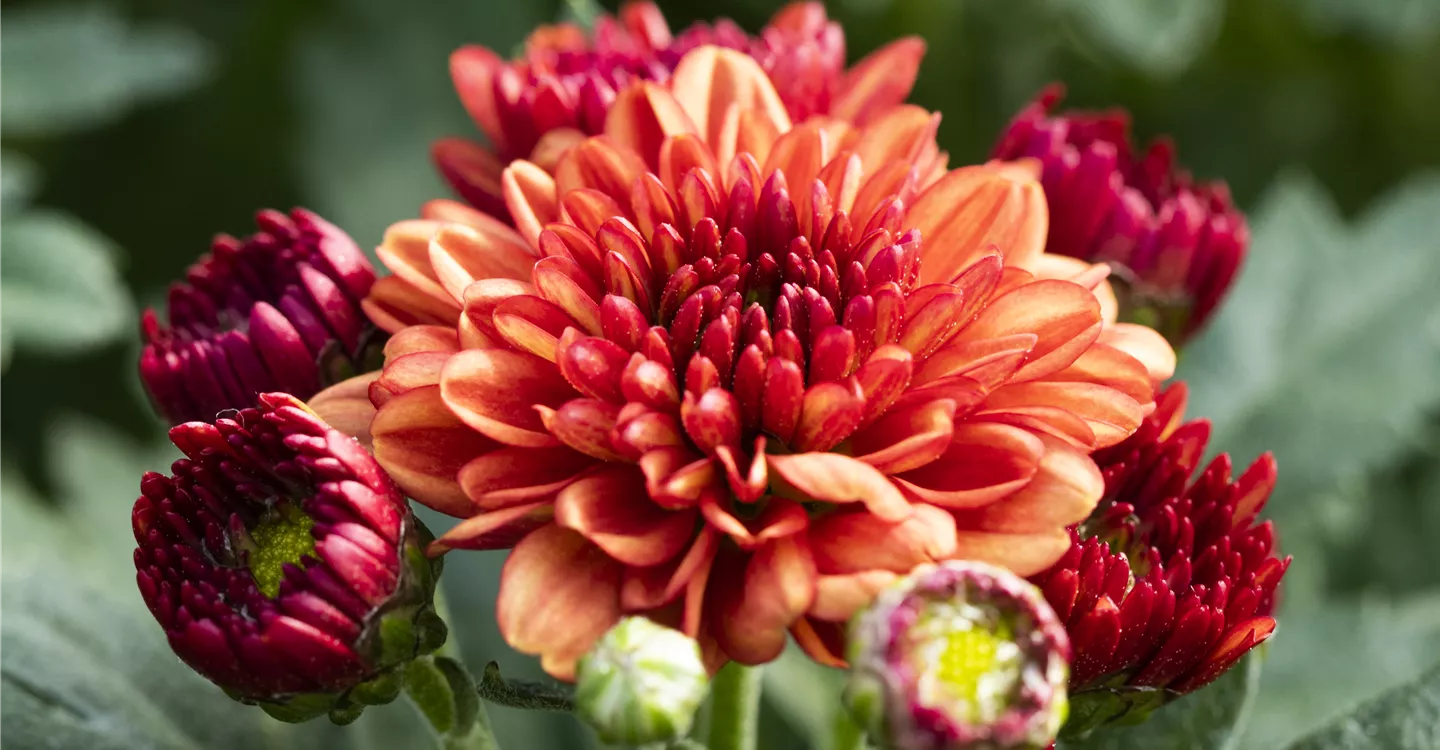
559, 91
276, 311
1172, 580
283, 564
1175, 244
761, 370
958, 656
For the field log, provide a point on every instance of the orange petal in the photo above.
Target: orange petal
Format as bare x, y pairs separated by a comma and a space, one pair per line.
899, 136
473, 68
496, 529
346, 406
611, 509
984, 463
422, 339
710, 80
1111, 367
655, 586
881, 80
1064, 317
1145, 344
394, 305
461, 255
781, 517
495, 392
1112, 415
835, 478
854, 541
514, 476
822, 641
989, 361
1065, 490
412, 371
422, 446
558, 594
1022, 554
597, 163
973, 208
405, 250
906, 438
839, 597
531, 196
642, 117
1092, 276
753, 611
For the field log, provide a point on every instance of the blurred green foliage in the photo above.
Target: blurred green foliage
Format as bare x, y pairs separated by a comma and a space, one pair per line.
133, 131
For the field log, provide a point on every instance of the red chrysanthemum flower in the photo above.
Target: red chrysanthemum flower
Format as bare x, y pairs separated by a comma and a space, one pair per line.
276, 311
759, 370
561, 90
276, 554
1172, 579
1176, 244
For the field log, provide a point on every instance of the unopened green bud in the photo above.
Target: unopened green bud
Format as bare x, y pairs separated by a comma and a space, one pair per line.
641, 683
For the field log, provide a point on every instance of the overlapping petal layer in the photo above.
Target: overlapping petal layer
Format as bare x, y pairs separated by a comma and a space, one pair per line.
739, 390
560, 90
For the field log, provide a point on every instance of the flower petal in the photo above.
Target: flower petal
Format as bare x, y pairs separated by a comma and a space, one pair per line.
835, 478
1112, 415
1144, 344
984, 463
531, 196
460, 255
847, 541
612, 510
558, 594
971, 209
346, 406
881, 80
753, 611
513, 476
709, 82
495, 392
1065, 490
839, 597
1022, 554
422, 445
496, 529
1064, 316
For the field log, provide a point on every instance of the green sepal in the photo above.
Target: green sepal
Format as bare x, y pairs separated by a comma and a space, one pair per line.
379, 690
340, 716
298, 708
1117, 706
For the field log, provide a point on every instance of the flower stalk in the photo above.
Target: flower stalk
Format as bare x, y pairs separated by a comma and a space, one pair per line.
735, 708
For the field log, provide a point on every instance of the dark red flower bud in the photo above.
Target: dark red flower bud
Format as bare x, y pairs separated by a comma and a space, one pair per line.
276, 311
283, 564
1175, 244
1172, 579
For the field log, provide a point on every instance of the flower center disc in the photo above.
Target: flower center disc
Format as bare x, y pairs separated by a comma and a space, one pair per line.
281, 538
978, 659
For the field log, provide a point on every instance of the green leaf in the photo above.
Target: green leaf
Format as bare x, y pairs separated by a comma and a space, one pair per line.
1160, 37
1406, 718
1212, 718
18, 179
1326, 351
1322, 661
59, 287
68, 68
1404, 21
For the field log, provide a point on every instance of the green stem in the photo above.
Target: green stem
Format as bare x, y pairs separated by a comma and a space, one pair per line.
735, 708
847, 736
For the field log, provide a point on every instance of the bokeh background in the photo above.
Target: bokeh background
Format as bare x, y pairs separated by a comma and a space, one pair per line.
133, 131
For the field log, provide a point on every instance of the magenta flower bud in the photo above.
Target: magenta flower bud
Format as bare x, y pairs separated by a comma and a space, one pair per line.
958, 656
1175, 245
283, 564
276, 311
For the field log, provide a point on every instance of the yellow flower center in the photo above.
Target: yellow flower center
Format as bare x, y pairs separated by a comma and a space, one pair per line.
967, 660
282, 537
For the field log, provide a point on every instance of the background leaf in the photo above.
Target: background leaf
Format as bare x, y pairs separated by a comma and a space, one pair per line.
69, 67
59, 286
1406, 718
1160, 37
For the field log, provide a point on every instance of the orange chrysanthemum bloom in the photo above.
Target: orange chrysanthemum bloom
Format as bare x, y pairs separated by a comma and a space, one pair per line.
716, 377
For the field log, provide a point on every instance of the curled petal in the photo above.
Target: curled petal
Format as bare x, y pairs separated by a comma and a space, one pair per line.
558, 594
711, 82
983, 463
971, 209
422, 445
835, 478
754, 610
612, 510
513, 476
1022, 554
849, 541
496, 529
346, 406
531, 196
495, 392
1144, 344
1065, 489
907, 438
1110, 414
1064, 317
